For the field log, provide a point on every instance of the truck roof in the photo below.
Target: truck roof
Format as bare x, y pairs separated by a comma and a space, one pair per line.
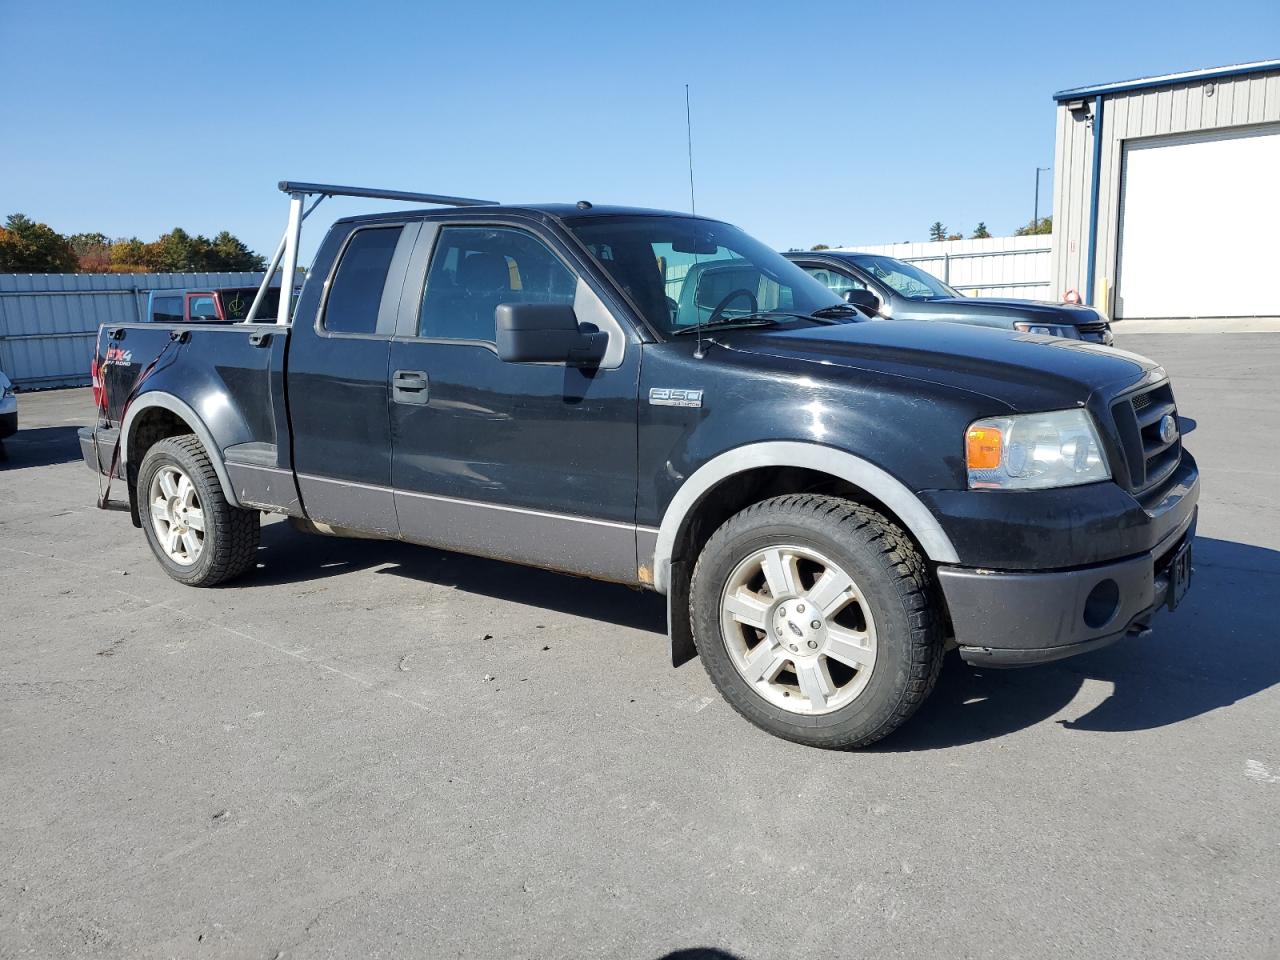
555, 211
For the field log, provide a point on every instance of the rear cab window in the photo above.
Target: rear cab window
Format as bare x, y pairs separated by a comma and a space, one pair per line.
355, 295
202, 307
166, 309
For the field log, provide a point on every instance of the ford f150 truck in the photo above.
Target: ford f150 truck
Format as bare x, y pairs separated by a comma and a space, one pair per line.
828, 504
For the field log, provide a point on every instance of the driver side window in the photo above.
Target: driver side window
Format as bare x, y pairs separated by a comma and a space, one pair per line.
834, 280
474, 269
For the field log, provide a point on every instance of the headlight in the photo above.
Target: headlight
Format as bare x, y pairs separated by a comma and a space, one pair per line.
1033, 451
1049, 329
8, 392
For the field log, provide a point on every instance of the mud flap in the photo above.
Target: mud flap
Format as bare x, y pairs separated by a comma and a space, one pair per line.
679, 627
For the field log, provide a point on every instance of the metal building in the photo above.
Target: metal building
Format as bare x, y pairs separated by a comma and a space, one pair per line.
1167, 194
49, 321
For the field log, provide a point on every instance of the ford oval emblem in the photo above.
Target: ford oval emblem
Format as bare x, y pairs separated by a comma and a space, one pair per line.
1168, 428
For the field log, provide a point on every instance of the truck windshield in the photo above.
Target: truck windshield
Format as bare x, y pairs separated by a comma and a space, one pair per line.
906, 279
681, 271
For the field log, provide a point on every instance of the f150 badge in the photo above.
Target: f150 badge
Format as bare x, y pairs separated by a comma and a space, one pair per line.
672, 397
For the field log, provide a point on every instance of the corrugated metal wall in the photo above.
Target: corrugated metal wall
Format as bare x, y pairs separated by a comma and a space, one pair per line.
48, 321
1176, 108
994, 267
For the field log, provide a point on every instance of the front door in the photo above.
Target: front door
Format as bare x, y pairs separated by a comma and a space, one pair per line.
532, 462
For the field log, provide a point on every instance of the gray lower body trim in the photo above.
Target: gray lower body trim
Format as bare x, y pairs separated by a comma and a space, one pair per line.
345, 503
266, 488
601, 549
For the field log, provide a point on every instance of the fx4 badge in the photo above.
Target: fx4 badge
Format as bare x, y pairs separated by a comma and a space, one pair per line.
671, 397
118, 356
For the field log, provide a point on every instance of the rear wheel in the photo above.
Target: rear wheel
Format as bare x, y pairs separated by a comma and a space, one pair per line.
198, 537
816, 619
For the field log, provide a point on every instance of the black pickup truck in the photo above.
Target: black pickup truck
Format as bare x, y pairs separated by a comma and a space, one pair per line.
828, 504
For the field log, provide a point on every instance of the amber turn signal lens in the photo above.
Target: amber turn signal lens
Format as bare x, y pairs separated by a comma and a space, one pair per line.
982, 448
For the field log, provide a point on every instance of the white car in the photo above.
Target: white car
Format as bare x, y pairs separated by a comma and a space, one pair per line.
8, 408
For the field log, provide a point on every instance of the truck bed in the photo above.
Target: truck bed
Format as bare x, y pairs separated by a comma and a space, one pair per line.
146, 375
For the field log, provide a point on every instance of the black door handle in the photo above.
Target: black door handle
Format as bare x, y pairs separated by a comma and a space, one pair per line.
409, 386
260, 338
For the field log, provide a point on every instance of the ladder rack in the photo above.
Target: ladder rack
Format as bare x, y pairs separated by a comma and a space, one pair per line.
286, 255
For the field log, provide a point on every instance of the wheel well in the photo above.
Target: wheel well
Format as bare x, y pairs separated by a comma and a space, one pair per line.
149, 428
751, 486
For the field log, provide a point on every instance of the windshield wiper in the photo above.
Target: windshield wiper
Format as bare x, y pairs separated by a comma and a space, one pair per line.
749, 320
835, 311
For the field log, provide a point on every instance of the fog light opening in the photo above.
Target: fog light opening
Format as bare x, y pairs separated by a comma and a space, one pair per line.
1102, 604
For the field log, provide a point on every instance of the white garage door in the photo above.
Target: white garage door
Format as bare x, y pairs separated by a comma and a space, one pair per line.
1200, 227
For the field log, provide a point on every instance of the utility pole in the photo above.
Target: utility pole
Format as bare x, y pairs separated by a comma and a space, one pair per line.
1035, 219
688, 126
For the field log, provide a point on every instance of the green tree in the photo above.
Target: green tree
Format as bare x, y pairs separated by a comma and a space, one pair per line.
980, 232
84, 243
1043, 225
230, 253
820, 246
30, 247
937, 231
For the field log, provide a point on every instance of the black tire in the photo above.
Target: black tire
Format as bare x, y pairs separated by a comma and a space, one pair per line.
231, 535
892, 577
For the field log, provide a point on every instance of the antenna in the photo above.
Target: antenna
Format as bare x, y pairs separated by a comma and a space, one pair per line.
693, 205
688, 127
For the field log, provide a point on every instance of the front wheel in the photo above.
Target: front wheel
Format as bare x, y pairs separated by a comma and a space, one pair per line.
816, 619
198, 537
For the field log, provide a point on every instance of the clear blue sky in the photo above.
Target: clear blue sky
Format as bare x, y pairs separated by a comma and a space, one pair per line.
839, 122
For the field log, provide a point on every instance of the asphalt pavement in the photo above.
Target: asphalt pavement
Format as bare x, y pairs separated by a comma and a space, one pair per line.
367, 749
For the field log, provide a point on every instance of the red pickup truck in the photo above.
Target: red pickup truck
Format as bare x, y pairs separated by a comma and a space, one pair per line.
220, 305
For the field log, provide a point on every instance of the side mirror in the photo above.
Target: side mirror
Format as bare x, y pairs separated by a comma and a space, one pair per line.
863, 299
546, 333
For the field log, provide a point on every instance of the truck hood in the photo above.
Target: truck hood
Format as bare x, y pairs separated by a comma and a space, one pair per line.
1031, 310
1024, 371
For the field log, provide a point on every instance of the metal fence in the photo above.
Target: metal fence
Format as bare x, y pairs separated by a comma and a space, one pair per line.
49, 321
994, 267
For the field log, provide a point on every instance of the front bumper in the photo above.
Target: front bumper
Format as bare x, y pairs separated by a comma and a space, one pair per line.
1014, 619
8, 423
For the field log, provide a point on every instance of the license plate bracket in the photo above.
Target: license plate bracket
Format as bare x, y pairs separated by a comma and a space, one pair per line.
1179, 575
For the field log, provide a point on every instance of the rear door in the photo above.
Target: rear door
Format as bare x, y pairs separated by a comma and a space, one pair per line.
534, 462
338, 391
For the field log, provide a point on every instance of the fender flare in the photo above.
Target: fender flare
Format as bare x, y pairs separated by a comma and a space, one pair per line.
167, 401
863, 474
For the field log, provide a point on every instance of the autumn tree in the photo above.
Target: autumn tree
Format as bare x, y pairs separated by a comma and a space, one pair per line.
30, 247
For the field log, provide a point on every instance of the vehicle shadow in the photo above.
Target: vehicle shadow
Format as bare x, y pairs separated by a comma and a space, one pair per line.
39, 447
1217, 648
289, 556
